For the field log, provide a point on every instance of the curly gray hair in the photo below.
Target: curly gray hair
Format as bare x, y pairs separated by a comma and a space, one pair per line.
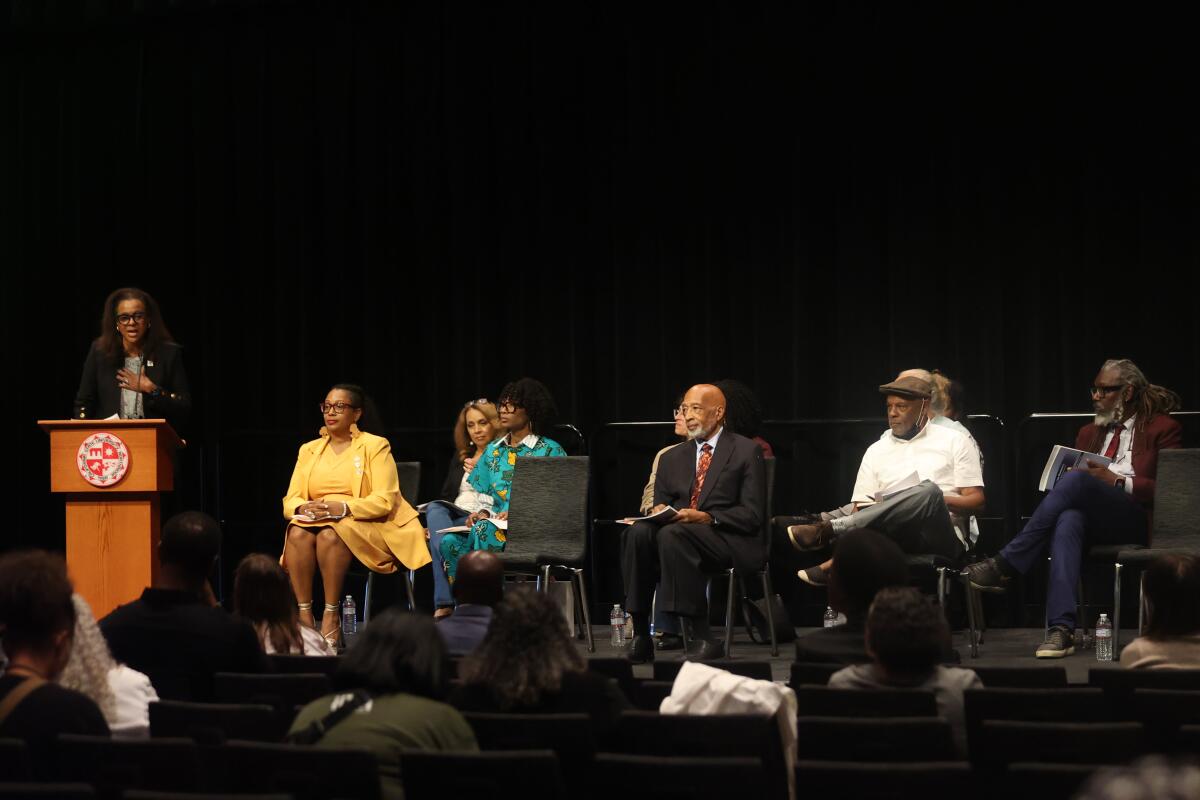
90, 662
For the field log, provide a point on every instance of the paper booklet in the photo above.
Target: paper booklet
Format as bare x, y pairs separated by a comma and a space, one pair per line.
502, 524
907, 482
456, 509
1065, 458
661, 517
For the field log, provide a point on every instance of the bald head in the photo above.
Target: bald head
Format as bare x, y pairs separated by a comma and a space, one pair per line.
480, 578
703, 410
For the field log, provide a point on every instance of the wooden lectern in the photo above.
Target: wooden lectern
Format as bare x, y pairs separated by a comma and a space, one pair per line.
112, 531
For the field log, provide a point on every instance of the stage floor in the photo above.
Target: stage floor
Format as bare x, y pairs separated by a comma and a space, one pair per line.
1007, 647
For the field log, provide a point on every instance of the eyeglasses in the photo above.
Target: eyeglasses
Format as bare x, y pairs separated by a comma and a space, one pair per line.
476, 402
336, 408
507, 407
1103, 390
137, 316
695, 408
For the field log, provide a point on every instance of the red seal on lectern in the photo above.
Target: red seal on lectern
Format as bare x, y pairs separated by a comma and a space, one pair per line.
103, 459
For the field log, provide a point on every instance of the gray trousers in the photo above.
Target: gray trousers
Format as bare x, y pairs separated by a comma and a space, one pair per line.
917, 519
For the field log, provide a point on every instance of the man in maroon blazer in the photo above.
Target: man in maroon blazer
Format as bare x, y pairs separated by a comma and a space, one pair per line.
1093, 505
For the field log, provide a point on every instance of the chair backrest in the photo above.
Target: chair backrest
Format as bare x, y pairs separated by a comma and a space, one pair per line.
304, 772
811, 673
1124, 681
821, 701
57, 791
1031, 779
570, 736
648, 695
1177, 501
769, 509
1002, 741
1031, 705
570, 438
283, 692
548, 519
409, 473
679, 778
14, 760
1022, 677
619, 669
885, 780
438, 776
758, 670
304, 665
215, 723
875, 738
112, 765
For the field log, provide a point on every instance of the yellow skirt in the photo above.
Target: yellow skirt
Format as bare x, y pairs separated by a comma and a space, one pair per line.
381, 545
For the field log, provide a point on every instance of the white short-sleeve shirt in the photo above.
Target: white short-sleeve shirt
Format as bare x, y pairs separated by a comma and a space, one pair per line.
936, 454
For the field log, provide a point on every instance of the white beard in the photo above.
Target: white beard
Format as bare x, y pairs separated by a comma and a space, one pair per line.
699, 433
1105, 418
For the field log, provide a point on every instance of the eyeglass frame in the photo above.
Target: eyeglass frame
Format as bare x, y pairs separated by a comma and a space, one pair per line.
137, 316
1104, 391
477, 402
507, 406
336, 408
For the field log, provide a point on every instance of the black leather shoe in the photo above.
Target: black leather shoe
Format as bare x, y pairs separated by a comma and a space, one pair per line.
986, 576
701, 650
810, 537
668, 641
641, 650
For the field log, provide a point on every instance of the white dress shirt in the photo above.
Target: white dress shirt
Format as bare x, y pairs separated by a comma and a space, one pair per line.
1123, 463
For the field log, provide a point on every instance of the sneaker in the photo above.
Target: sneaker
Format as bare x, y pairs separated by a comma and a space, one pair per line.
810, 537
986, 576
814, 576
1059, 643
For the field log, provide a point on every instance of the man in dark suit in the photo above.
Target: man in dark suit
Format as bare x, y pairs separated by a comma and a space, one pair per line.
717, 485
1097, 504
479, 586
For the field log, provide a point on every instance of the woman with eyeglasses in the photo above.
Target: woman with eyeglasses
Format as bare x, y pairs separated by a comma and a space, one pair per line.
526, 411
478, 424
344, 502
134, 369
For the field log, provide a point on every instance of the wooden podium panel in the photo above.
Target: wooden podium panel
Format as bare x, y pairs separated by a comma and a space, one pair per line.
112, 531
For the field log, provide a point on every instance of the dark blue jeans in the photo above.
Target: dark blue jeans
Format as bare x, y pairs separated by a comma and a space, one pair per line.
1078, 511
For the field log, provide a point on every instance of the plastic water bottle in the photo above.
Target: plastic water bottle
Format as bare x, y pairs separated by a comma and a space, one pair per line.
1104, 639
617, 620
831, 617
349, 617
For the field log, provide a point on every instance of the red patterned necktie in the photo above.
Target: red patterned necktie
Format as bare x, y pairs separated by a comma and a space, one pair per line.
701, 471
1111, 451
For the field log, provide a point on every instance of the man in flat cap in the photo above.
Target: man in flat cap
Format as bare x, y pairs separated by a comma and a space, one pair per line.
928, 517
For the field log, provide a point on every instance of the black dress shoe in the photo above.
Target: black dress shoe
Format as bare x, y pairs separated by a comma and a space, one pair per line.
668, 641
986, 576
810, 537
701, 650
641, 650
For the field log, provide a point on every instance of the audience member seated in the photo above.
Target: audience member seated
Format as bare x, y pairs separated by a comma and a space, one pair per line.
478, 424
479, 587
906, 636
863, 563
344, 502
37, 622
124, 695
527, 663
263, 596
388, 698
1171, 638
526, 411
173, 633
931, 517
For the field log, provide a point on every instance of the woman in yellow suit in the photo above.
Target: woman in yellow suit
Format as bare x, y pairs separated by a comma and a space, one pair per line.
344, 500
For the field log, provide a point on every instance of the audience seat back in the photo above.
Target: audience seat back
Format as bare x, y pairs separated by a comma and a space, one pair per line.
821, 701
875, 739
113, 765
440, 776
884, 780
307, 773
215, 723
679, 778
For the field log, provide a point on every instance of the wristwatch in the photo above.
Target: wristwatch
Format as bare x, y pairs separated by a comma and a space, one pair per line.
155, 393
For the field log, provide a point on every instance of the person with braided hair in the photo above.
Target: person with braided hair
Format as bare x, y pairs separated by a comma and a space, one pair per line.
1096, 504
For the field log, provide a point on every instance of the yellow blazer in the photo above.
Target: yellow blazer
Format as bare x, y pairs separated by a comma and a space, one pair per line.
376, 495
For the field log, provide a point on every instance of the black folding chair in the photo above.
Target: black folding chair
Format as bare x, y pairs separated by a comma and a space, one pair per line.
570, 736
214, 723
1030, 705
307, 773
498, 773
1162, 712
1002, 742
821, 701
875, 739
678, 778
113, 765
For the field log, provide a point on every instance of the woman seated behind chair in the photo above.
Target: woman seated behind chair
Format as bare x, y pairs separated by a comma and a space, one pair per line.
1171, 638
399, 671
344, 502
263, 597
477, 425
527, 663
526, 411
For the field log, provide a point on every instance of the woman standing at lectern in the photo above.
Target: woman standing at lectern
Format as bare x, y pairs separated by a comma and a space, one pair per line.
134, 369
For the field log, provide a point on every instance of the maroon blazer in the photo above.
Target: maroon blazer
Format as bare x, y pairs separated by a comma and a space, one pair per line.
1160, 433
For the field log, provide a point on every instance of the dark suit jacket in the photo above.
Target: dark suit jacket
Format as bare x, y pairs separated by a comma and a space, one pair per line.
463, 630
734, 492
99, 396
1160, 433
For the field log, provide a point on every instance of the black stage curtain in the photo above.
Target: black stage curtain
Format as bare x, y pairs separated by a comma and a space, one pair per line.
620, 199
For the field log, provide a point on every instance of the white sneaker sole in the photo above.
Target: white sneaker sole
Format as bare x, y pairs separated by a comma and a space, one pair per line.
1055, 653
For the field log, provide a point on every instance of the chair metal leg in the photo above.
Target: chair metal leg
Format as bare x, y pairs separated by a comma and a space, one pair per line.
1116, 608
767, 593
1141, 600
366, 615
408, 588
583, 607
729, 616
972, 632
543, 584
941, 588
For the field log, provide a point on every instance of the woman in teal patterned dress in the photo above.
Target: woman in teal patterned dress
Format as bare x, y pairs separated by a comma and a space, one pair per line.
526, 410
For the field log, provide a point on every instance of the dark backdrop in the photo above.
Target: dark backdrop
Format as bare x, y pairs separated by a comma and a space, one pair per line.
620, 199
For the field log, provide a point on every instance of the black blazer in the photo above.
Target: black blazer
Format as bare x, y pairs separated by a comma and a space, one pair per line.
734, 491
99, 396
